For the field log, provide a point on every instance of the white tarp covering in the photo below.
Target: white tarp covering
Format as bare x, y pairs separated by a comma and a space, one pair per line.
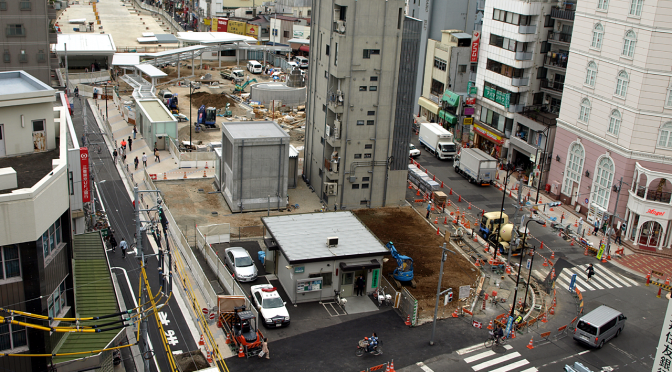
151, 71
125, 59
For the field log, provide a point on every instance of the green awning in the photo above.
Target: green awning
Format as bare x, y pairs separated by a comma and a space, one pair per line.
441, 114
450, 118
450, 97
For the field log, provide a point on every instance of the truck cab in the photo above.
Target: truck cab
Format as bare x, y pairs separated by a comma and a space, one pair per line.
437, 140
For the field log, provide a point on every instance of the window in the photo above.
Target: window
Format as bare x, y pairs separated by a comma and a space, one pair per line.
362, 88
365, 185
598, 32
309, 16
373, 88
584, 115
23, 57
355, 186
358, 156
591, 74
440, 64
436, 88
336, 55
365, 179
629, 44
602, 4
604, 176
6, 57
573, 168
285, 34
668, 100
665, 136
371, 113
13, 336
326, 277
24, 5
367, 156
373, 78
50, 238
621, 84
503, 69
369, 146
636, 7
57, 301
248, 12
360, 122
370, 52
508, 17
10, 265
3, 5
15, 30
370, 122
614, 122
506, 43
327, 50
462, 69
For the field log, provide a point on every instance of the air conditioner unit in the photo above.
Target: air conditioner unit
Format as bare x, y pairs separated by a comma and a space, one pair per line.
332, 241
340, 26
337, 129
330, 188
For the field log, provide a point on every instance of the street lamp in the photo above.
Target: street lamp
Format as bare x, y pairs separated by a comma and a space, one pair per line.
192, 88
509, 168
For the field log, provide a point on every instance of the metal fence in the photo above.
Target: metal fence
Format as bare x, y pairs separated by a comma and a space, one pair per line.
174, 25
191, 159
408, 305
247, 232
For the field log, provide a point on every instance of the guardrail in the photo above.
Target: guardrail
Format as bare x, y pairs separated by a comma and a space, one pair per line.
165, 15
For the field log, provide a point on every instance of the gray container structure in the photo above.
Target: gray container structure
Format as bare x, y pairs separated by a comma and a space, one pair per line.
265, 93
253, 173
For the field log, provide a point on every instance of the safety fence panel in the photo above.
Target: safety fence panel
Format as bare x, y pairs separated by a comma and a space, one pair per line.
247, 232
257, 55
408, 305
389, 289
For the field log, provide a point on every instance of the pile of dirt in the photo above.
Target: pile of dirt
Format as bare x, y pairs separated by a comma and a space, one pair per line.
210, 100
413, 237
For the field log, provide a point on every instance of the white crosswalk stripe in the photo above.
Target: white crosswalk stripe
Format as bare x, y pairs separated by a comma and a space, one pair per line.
491, 361
603, 278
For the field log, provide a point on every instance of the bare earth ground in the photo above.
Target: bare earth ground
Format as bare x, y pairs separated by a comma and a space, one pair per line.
413, 237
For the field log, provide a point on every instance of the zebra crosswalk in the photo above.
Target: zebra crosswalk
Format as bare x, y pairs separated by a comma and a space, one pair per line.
490, 361
603, 278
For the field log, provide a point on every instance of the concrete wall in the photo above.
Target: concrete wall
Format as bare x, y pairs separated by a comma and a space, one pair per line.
19, 140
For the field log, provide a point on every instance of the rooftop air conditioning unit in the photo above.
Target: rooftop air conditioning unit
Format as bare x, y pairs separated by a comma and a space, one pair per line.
332, 241
330, 188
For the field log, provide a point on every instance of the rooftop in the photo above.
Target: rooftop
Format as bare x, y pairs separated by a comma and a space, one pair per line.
31, 168
156, 111
212, 37
151, 71
125, 59
303, 237
15, 82
253, 129
101, 44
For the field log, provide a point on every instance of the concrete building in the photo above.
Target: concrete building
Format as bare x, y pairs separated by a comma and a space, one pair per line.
363, 68
297, 8
445, 80
29, 32
316, 254
616, 120
282, 28
254, 165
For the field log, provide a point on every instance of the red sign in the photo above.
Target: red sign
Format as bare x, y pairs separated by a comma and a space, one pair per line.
222, 24
212, 316
84, 164
470, 101
475, 41
489, 135
477, 324
205, 310
655, 212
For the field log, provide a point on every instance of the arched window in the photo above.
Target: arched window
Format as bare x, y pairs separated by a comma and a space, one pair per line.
614, 122
598, 32
591, 74
621, 84
573, 168
604, 176
665, 136
602, 4
629, 44
584, 115
636, 7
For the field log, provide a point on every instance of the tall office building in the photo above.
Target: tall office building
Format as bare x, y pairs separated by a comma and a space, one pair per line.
363, 69
616, 120
28, 33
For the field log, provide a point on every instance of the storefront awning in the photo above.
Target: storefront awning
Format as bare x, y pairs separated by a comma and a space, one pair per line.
485, 133
374, 264
451, 98
304, 48
428, 105
448, 117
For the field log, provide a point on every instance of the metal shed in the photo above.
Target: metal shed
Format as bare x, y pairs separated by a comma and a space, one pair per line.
254, 166
155, 123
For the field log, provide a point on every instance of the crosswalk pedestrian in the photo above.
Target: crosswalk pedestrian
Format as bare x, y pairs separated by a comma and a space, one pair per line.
604, 278
481, 360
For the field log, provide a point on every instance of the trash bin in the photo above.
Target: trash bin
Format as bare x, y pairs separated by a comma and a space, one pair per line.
262, 256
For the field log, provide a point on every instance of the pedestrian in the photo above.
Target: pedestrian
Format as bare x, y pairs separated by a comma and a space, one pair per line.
136, 162
429, 209
123, 159
590, 271
579, 226
264, 349
124, 246
135, 131
123, 145
130, 144
596, 226
114, 155
156, 155
359, 285
113, 242
144, 160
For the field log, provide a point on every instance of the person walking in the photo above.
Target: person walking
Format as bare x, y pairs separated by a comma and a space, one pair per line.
124, 246
130, 144
123, 145
264, 349
144, 160
114, 155
156, 155
590, 271
596, 225
136, 162
123, 157
429, 209
359, 284
135, 131
113, 242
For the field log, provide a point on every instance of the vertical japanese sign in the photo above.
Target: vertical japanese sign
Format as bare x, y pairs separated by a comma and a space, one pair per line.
374, 278
663, 360
84, 164
475, 41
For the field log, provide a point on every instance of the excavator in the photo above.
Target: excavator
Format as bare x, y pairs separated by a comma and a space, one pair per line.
404, 271
241, 88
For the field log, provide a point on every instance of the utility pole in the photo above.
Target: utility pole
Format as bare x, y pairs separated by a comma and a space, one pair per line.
444, 255
514, 235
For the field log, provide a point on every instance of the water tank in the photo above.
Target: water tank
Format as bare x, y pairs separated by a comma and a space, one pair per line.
265, 93
296, 79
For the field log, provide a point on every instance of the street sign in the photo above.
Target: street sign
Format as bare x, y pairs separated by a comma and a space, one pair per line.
212, 316
464, 291
572, 283
508, 326
529, 264
205, 311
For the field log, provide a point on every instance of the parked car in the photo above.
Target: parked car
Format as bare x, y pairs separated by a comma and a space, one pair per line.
270, 305
414, 152
240, 263
599, 326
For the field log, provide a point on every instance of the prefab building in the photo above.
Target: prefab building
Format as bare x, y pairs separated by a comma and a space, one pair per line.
315, 255
253, 173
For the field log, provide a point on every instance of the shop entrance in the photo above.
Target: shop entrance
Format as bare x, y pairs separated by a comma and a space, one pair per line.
347, 284
650, 235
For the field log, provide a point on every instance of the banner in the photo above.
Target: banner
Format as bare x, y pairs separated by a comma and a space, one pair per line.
222, 24
663, 359
475, 42
84, 164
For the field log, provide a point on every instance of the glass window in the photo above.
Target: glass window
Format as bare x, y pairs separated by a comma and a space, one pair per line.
602, 182
516, 18
573, 168
584, 114
621, 84
665, 136
365, 185
368, 146
598, 33
362, 88
373, 78
10, 265
373, 88
360, 122
603, 4
355, 186
629, 44
614, 122
636, 7
371, 113
13, 336
591, 74
358, 156
367, 156
668, 100
15, 30
370, 122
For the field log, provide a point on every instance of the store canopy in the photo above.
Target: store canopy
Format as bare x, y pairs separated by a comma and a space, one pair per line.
304, 48
429, 105
451, 98
449, 118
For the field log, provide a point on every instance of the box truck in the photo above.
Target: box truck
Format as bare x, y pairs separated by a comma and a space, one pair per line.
437, 140
476, 166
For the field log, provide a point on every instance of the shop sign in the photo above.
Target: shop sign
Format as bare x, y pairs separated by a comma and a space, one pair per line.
475, 42
473, 90
655, 212
299, 269
502, 98
468, 121
469, 111
663, 360
374, 278
222, 24
470, 101
206, 21
84, 165
488, 134
489, 93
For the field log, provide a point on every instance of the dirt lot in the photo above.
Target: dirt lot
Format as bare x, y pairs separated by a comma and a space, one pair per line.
413, 237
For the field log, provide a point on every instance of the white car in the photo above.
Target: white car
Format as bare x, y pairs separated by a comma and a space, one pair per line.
270, 305
240, 263
413, 152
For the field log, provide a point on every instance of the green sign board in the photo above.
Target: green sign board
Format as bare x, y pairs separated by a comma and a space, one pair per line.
499, 97
489, 93
299, 269
472, 89
374, 278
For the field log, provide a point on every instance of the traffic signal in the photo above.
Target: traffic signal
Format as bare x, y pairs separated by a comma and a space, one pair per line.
450, 296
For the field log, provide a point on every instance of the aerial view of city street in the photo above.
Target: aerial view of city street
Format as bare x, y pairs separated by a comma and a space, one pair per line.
342, 185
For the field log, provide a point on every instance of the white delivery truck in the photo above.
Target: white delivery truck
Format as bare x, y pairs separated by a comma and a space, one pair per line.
476, 166
437, 140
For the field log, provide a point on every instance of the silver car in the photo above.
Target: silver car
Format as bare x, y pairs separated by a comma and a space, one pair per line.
240, 263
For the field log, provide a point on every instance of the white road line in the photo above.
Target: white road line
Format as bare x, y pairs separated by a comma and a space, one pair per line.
479, 356
585, 284
533, 369
511, 366
508, 347
606, 281
424, 367
492, 362
626, 281
568, 279
470, 349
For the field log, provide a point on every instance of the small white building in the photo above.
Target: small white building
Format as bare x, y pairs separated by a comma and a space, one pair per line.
315, 255
83, 49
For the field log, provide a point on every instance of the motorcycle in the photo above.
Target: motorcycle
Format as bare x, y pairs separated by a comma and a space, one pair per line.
363, 348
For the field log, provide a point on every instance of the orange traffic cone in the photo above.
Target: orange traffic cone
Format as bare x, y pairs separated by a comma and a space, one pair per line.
604, 258
545, 263
408, 320
204, 175
228, 339
165, 175
467, 225
459, 199
508, 269
185, 175
445, 220
410, 186
572, 244
585, 253
552, 255
209, 357
544, 224
436, 220
417, 193
392, 366
475, 238
544, 320
437, 231
490, 325
241, 353
609, 257
449, 203
553, 274
531, 344
455, 314
576, 224
541, 246
201, 342
477, 263
469, 206
206, 165
551, 310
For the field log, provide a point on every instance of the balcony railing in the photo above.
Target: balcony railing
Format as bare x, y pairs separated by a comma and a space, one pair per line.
562, 14
552, 85
559, 37
557, 63
523, 56
540, 114
527, 29
654, 195
520, 82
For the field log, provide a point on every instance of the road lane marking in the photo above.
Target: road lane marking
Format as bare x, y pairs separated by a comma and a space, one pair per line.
492, 362
533, 369
423, 367
511, 366
479, 356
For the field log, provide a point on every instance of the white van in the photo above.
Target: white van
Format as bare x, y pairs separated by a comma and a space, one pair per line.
254, 67
301, 61
292, 66
599, 326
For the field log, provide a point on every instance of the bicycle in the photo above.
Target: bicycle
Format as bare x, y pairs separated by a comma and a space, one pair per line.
491, 341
